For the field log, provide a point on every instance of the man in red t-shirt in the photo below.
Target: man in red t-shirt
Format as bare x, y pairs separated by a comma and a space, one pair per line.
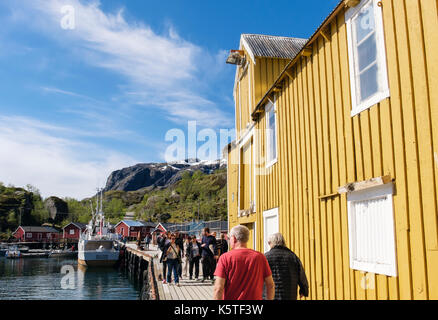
241, 273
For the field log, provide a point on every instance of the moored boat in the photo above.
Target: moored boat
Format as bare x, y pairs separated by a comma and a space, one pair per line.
97, 246
3, 250
63, 253
13, 253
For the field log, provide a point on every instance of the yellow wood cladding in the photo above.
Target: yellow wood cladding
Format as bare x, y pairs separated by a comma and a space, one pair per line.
321, 147
252, 83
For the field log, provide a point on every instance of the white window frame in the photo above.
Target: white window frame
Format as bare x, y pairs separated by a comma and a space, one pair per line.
29, 235
249, 93
247, 140
373, 193
384, 92
271, 105
266, 215
72, 232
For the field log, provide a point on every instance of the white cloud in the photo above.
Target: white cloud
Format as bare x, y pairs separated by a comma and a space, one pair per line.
168, 70
38, 153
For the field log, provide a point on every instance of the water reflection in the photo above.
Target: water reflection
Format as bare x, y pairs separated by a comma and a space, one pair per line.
41, 278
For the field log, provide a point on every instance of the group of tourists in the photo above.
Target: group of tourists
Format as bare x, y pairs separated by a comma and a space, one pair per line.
245, 274
182, 253
239, 274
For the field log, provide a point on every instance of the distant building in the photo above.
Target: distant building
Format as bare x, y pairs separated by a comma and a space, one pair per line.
36, 234
130, 229
73, 230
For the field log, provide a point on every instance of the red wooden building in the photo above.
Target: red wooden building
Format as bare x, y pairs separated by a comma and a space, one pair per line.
130, 229
36, 234
73, 230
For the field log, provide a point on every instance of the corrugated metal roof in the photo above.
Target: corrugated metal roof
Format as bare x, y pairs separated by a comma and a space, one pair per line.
132, 223
38, 229
273, 46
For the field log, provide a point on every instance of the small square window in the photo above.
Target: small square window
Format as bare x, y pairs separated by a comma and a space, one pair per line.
371, 230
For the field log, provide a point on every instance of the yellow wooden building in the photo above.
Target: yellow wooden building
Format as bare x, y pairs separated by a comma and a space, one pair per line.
337, 148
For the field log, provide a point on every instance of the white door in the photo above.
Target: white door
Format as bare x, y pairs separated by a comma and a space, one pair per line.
270, 225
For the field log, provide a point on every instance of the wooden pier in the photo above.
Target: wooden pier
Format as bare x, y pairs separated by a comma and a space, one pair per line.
145, 267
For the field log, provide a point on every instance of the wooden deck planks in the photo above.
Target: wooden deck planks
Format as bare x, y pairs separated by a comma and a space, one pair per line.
189, 289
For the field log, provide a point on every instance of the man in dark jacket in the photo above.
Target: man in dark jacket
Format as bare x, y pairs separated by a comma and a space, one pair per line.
209, 254
287, 270
180, 243
162, 242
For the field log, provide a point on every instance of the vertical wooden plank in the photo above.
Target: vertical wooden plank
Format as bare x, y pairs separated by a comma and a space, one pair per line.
304, 107
428, 223
325, 174
310, 156
300, 211
401, 215
316, 121
381, 281
294, 110
429, 13
333, 93
342, 132
350, 153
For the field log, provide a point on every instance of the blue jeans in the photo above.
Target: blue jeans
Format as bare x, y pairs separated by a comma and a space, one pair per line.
172, 264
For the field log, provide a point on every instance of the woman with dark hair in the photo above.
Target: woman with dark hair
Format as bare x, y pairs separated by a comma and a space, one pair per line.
195, 250
173, 259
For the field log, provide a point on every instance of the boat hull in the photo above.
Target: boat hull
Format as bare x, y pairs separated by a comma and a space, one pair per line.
97, 263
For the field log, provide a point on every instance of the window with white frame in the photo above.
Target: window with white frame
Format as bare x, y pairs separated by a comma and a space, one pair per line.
29, 235
371, 230
246, 176
72, 231
271, 134
270, 225
367, 57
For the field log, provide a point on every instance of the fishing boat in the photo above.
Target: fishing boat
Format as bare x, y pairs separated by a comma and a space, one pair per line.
97, 247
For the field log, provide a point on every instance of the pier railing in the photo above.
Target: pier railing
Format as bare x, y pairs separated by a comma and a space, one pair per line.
140, 266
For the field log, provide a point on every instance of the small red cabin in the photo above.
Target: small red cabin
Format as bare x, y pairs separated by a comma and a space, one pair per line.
73, 230
36, 234
130, 229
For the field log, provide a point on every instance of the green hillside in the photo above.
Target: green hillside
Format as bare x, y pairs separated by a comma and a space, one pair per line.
196, 195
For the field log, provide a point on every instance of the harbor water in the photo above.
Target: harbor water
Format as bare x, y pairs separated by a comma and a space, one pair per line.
62, 279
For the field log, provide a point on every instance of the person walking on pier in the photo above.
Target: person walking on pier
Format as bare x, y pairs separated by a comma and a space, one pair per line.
194, 257
242, 272
287, 270
185, 262
147, 241
223, 245
209, 254
163, 241
180, 243
173, 259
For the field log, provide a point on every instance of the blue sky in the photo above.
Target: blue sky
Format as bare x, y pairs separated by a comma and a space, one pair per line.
76, 104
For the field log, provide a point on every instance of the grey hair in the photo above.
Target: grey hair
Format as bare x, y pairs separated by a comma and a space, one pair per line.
241, 233
276, 239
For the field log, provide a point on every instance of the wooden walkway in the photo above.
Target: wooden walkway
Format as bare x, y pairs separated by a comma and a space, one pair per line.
189, 289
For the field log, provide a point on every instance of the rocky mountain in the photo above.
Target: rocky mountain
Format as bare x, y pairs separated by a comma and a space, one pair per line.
57, 208
157, 175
